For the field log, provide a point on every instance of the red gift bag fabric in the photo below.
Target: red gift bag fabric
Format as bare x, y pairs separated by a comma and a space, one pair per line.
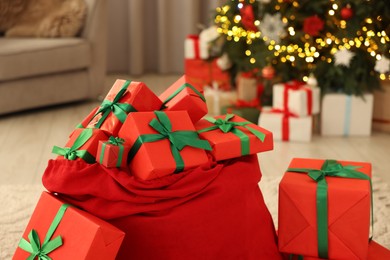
215, 211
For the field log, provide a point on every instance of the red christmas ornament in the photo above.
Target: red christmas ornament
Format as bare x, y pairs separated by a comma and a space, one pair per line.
346, 12
248, 18
268, 72
312, 25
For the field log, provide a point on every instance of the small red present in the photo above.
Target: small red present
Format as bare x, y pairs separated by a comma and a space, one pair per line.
198, 72
83, 144
181, 95
324, 209
124, 97
231, 136
162, 143
113, 153
59, 231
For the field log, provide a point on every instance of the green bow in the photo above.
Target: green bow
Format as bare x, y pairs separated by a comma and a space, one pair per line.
334, 169
117, 142
177, 91
120, 110
35, 248
178, 139
72, 153
227, 126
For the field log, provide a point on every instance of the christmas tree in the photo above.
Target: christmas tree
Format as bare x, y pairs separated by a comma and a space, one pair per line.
344, 43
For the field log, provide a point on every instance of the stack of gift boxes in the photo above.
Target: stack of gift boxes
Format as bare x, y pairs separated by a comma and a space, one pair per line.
147, 136
291, 116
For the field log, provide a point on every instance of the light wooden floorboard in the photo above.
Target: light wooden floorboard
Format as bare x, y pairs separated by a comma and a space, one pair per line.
26, 140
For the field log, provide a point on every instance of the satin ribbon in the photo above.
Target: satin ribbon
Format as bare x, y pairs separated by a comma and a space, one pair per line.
120, 110
227, 126
73, 152
35, 248
117, 142
285, 122
297, 85
178, 139
181, 88
333, 169
195, 40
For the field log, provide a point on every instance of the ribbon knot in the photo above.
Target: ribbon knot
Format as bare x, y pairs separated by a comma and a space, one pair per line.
224, 125
115, 140
71, 155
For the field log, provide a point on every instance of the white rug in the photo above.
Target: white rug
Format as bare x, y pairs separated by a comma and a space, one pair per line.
17, 204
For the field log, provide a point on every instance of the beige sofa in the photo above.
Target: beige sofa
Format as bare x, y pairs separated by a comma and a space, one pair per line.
36, 72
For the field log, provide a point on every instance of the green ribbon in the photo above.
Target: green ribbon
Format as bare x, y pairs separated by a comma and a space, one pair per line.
227, 126
333, 169
117, 142
177, 91
72, 153
120, 110
178, 139
35, 248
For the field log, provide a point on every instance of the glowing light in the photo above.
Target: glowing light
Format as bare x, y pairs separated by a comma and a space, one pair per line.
335, 6
237, 18
331, 12
329, 41
292, 58
257, 22
369, 20
252, 60
382, 76
305, 78
378, 57
240, 5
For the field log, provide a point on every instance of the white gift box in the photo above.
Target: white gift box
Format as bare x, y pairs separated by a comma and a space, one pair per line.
216, 99
287, 128
191, 47
298, 99
345, 115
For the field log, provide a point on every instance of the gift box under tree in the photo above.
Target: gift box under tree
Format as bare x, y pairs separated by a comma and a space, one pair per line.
324, 209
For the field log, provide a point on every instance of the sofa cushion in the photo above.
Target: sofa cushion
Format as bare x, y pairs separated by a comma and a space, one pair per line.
25, 57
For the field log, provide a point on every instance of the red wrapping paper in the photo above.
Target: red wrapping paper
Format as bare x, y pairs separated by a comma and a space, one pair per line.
91, 145
348, 210
222, 78
187, 100
138, 95
84, 236
155, 159
198, 72
215, 211
109, 156
228, 145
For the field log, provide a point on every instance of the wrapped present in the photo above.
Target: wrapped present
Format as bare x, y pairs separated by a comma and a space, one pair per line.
216, 99
162, 143
324, 209
231, 136
381, 114
60, 231
248, 110
191, 47
198, 72
287, 127
82, 144
247, 86
345, 115
219, 76
296, 97
113, 153
181, 95
125, 96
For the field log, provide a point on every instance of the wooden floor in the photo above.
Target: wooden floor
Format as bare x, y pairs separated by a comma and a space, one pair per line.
26, 140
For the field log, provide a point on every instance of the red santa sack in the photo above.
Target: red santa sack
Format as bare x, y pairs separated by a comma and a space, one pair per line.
215, 211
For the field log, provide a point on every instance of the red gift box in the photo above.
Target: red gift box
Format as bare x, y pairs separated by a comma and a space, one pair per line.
219, 76
232, 136
77, 234
181, 95
113, 153
347, 220
156, 158
83, 143
198, 72
124, 97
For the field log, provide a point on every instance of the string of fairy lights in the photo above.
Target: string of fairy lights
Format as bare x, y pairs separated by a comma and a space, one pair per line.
309, 51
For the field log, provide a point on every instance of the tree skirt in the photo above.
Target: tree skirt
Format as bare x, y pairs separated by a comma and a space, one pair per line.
18, 201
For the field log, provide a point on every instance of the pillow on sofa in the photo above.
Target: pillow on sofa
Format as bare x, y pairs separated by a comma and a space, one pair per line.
42, 18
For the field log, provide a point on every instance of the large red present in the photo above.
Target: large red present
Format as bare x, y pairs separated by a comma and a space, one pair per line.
181, 95
232, 136
113, 153
83, 144
162, 143
124, 97
59, 231
324, 209
211, 212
